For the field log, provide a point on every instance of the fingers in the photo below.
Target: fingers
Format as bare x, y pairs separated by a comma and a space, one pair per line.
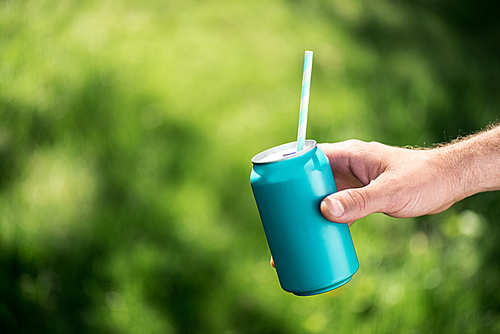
272, 262
350, 205
341, 149
339, 153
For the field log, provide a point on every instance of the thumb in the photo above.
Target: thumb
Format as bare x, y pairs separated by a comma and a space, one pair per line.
350, 205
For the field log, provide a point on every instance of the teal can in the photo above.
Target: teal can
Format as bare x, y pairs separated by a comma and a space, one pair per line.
312, 255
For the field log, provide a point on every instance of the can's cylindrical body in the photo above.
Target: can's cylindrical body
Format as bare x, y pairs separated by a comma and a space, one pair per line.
312, 255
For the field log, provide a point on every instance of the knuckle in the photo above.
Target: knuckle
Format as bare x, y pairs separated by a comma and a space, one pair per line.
358, 199
353, 142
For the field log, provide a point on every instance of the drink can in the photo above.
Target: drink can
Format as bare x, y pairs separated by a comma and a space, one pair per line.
311, 254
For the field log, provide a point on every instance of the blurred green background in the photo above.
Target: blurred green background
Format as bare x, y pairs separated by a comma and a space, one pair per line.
126, 132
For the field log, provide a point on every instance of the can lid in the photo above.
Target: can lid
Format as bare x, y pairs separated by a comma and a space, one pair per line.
282, 152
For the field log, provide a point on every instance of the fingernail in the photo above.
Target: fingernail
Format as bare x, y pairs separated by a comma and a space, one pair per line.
335, 207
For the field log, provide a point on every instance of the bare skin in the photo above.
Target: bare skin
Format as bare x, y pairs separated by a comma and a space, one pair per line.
403, 183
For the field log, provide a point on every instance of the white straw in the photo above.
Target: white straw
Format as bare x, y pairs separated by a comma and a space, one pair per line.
304, 100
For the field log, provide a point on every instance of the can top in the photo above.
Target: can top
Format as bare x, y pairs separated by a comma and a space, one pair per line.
282, 152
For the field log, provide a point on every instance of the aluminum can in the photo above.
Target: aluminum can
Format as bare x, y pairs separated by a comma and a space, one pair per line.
312, 255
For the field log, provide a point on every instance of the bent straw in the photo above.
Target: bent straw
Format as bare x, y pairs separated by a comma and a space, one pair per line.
304, 100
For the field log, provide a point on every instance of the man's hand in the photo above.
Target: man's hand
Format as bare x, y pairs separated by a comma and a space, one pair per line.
400, 182
372, 177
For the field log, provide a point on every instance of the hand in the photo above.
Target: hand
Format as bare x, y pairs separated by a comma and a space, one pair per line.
372, 177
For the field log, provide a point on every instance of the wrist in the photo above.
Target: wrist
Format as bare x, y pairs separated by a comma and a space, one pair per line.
459, 165
453, 169
473, 164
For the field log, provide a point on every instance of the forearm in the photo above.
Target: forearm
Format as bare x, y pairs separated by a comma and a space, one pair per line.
473, 163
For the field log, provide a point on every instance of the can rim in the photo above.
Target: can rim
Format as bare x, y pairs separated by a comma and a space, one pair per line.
287, 152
